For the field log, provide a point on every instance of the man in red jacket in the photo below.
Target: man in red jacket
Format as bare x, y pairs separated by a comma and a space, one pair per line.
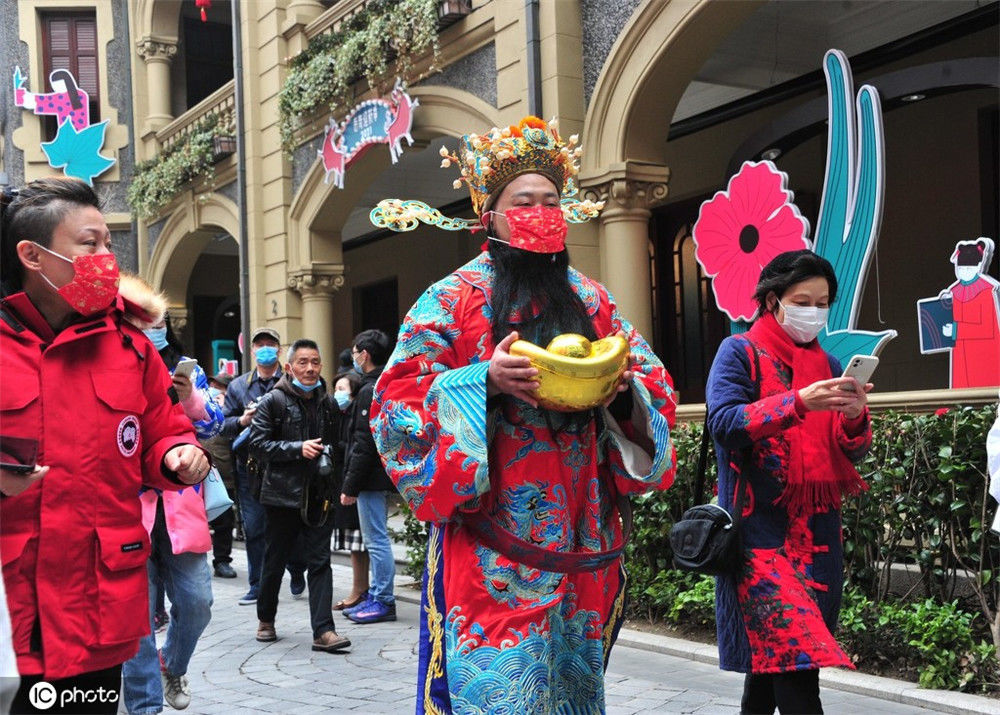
91, 391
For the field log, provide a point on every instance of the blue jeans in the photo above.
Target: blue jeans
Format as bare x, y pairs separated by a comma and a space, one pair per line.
254, 526
373, 512
188, 583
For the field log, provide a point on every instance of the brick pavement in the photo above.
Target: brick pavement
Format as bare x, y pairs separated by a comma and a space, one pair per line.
232, 673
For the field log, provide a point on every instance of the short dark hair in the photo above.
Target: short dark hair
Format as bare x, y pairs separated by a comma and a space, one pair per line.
302, 344
791, 267
32, 214
352, 379
345, 359
376, 343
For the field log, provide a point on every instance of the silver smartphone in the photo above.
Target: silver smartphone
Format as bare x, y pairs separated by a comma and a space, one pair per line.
185, 367
861, 368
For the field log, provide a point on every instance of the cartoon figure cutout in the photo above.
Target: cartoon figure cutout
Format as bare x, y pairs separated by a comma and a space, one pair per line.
965, 318
76, 148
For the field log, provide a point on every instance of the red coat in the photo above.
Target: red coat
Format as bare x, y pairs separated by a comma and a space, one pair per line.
74, 550
975, 361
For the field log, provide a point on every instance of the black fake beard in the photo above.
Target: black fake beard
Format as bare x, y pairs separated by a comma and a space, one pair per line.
535, 287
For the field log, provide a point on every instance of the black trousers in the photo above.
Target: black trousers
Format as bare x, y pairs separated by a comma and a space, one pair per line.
795, 693
93, 692
222, 534
284, 528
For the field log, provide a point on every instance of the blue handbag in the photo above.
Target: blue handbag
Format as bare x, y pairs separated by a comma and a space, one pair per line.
216, 496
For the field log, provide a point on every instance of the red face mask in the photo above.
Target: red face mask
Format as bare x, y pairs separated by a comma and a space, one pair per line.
94, 284
539, 229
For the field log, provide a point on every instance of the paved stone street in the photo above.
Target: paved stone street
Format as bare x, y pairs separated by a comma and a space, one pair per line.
232, 673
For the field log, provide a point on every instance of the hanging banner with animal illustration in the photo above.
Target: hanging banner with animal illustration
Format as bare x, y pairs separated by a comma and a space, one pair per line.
375, 121
76, 148
964, 319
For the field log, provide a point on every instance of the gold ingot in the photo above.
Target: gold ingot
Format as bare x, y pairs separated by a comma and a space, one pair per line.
574, 373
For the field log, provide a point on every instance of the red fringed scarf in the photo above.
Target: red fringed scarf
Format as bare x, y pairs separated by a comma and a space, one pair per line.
819, 473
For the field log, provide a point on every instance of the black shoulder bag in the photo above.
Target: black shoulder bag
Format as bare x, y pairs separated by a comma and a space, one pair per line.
707, 538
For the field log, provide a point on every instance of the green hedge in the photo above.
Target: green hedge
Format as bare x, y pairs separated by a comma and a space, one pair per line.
927, 506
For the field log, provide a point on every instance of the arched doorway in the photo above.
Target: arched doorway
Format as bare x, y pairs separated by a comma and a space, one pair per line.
194, 263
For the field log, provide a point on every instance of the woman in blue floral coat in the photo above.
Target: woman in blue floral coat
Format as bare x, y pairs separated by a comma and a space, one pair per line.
794, 431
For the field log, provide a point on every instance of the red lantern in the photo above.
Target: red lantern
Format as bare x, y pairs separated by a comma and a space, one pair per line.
204, 5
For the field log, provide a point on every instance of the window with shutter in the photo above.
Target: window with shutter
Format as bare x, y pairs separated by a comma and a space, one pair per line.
69, 41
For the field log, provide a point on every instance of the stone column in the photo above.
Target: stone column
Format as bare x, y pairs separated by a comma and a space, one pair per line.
316, 286
299, 14
624, 241
157, 54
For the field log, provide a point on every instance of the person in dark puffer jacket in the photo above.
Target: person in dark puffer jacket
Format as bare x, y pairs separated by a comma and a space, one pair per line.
366, 482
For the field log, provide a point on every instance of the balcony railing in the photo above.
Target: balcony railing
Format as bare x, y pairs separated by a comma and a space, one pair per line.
221, 104
449, 12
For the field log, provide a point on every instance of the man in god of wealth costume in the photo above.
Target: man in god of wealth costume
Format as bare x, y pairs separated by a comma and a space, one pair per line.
520, 457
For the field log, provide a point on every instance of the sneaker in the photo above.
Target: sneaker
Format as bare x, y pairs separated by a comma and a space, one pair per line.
223, 570
160, 621
298, 585
249, 599
365, 600
330, 642
374, 612
176, 691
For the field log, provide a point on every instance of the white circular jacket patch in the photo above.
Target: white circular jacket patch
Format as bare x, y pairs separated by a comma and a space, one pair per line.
128, 436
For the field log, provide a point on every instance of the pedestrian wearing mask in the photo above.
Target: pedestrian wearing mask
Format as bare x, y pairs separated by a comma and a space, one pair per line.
291, 434
793, 432
367, 484
89, 390
347, 527
241, 402
222, 457
178, 530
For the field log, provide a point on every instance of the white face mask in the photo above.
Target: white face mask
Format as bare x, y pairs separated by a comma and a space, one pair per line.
803, 323
966, 274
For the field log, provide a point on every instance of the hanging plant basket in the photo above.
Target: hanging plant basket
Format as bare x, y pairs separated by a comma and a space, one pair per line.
191, 158
378, 44
223, 146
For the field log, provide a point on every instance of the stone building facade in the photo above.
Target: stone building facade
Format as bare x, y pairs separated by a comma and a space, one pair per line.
668, 96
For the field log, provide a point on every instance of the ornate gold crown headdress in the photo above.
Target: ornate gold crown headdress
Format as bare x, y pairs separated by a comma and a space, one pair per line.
488, 162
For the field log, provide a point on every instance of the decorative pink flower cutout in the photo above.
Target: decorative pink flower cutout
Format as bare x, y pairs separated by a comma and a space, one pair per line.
741, 229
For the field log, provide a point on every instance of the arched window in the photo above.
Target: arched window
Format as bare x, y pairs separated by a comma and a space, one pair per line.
689, 326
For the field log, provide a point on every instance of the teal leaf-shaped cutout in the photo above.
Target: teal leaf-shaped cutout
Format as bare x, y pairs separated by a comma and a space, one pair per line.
844, 344
78, 154
851, 209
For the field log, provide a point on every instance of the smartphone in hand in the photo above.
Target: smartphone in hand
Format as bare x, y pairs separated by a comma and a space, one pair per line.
861, 368
185, 367
18, 454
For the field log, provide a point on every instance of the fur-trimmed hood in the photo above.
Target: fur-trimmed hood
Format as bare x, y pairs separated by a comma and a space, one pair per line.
144, 307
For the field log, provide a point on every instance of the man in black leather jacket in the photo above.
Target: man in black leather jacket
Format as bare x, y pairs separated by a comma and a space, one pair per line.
291, 430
